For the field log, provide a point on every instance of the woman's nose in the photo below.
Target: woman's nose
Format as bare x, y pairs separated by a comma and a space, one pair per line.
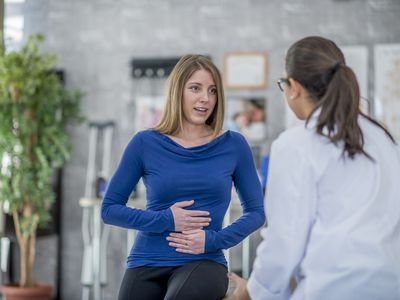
204, 97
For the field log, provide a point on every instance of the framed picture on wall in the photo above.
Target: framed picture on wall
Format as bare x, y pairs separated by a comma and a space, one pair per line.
148, 111
247, 115
245, 70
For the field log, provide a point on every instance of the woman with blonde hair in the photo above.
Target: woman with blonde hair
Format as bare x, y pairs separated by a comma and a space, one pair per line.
188, 166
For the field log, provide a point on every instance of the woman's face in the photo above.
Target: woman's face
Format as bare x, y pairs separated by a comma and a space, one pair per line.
199, 98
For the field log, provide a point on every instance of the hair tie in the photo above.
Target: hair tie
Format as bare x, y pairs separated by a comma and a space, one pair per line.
336, 66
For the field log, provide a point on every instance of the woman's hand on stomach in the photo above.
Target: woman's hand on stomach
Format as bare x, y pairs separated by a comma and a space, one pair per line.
191, 241
186, 220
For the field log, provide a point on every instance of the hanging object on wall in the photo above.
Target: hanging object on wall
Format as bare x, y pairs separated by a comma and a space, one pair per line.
152, 67
245, 70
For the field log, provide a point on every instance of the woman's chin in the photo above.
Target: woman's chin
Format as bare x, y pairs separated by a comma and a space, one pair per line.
198, 120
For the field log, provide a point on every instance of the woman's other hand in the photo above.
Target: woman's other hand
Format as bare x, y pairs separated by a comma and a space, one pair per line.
191, 241
185, 220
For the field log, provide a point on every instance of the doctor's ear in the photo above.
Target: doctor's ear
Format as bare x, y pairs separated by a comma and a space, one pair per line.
295, 89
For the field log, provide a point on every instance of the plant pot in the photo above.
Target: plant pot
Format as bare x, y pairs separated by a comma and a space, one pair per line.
40, 291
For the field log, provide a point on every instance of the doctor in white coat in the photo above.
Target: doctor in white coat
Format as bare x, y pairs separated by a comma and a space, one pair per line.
333, 194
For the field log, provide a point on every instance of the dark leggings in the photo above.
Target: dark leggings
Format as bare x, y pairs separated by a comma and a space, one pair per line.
203, 279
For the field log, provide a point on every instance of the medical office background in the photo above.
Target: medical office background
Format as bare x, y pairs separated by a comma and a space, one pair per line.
98, 41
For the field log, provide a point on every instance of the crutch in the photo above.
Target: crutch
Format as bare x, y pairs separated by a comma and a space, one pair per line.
94, 233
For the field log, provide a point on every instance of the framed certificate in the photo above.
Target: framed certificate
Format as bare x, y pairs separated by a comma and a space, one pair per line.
245, 70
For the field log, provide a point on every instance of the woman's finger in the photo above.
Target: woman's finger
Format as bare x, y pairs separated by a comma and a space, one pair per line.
180, 246
179, 241
197, 213
194, 228
199, 220
190, 232
177, 235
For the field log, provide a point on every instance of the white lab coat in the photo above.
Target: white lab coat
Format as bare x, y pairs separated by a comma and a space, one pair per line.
333, 222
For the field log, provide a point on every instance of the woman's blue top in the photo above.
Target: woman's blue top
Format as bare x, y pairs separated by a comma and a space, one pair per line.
173, 173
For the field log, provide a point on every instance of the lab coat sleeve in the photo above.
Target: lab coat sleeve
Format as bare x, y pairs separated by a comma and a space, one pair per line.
291, 207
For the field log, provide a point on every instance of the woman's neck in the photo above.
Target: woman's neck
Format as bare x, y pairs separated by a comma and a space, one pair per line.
192, 132
308, 106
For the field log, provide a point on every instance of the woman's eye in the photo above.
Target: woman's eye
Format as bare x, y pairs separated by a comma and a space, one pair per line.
194, 88
213, 91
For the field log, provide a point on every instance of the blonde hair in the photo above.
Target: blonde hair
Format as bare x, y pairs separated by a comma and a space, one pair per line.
172, 119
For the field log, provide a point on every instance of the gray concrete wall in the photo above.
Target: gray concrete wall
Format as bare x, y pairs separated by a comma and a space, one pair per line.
96, 39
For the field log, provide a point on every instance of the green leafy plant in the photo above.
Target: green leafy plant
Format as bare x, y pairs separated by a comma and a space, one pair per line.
35, 111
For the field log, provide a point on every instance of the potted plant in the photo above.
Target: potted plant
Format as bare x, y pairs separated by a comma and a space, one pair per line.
35, 111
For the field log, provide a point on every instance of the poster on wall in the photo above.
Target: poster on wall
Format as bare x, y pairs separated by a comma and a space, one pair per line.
387, 88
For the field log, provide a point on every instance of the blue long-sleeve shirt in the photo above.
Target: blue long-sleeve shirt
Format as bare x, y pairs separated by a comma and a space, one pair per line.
172, 173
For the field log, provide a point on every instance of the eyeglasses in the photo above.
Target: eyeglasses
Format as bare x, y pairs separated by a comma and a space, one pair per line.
281, 82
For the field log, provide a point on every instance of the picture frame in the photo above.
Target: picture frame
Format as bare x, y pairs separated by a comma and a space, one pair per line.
148, 111
248, 116
245, 70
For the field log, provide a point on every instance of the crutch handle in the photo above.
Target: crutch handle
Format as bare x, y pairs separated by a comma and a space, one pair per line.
101, 125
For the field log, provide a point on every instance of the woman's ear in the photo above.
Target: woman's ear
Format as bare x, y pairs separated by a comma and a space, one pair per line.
295, 89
